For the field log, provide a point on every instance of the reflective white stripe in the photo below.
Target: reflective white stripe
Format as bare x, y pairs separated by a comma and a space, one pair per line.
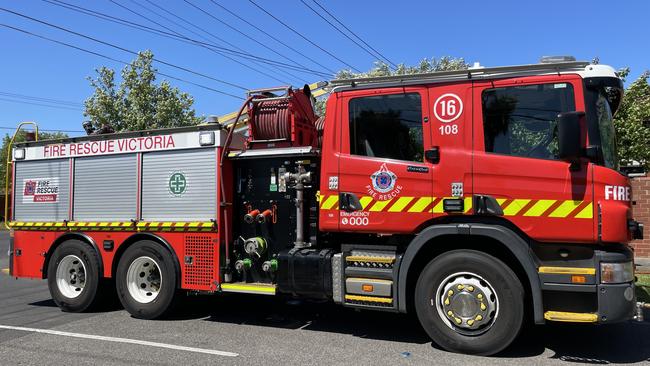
122, 340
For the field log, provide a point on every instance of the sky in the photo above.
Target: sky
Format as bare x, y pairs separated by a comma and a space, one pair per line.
494, 33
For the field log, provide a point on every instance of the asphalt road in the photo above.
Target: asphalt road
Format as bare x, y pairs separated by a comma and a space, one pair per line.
265, 330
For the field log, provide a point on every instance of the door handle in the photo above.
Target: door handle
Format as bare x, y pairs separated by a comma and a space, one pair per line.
432, 155
349, 202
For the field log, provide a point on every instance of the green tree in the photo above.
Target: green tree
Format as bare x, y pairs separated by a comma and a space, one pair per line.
380, 68
21, 137
137, 103
445, 63
632, 122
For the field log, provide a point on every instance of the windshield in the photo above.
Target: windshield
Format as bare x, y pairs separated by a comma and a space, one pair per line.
602, 97
607, 132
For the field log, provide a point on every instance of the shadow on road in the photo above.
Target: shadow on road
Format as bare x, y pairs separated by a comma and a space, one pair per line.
616, 343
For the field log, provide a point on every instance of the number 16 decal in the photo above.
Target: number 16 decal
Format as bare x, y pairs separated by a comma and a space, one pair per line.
448, 107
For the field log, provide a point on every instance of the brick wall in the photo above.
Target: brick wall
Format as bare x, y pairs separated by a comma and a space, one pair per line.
641, 211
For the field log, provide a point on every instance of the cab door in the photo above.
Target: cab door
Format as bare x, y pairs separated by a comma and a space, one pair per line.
384, 182
516, 157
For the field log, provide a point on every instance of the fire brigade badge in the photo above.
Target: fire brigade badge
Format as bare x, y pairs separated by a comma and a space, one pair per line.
30, 188
383, 180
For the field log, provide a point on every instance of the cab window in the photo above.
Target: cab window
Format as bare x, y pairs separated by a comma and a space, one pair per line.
387, 126
522, 120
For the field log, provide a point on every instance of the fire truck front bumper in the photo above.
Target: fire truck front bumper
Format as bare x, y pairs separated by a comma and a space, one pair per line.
594, 289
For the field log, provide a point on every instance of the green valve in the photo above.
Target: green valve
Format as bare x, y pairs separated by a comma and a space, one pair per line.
247, 263
274, 265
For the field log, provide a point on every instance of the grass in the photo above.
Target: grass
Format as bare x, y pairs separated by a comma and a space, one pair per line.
643, 287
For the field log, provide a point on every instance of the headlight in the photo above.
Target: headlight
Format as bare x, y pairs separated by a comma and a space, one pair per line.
616, 272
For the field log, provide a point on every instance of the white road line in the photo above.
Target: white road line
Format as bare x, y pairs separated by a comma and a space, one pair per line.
121, 340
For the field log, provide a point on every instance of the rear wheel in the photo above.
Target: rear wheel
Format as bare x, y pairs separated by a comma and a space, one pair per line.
146, 280
470, 302
73, 276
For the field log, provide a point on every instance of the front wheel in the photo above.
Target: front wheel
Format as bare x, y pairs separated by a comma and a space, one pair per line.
146, 280
470, 302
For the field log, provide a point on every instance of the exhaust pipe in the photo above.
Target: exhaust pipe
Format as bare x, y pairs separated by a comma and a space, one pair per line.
639, 310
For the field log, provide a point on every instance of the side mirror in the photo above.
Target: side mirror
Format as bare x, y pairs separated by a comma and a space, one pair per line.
569, 141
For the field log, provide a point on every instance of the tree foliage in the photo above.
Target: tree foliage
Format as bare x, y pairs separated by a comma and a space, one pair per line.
137, 103
632, 122
380, 68
445, 63
21, 137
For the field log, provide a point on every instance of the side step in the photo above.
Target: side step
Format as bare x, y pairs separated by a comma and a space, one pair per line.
369, 300
364, 276
562, 316
249, 288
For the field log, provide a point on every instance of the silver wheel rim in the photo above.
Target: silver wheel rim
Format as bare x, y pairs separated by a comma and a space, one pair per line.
466, 303
71, 276
144, 280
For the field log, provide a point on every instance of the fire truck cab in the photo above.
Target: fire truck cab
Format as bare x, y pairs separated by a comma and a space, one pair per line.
478, 199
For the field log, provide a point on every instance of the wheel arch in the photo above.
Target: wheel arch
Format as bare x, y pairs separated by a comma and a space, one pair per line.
68, 236
150, 237
503, 244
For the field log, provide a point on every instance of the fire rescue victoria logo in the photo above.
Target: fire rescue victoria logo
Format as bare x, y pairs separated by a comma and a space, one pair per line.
41, 190
384, 184
177, 184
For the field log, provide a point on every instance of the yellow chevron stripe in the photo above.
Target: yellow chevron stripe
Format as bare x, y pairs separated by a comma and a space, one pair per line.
565, 208
500, 201
539, 208
330, 202
365, 201
421, 204
400, 204
380, 205
586, 213
439, 207
515, 206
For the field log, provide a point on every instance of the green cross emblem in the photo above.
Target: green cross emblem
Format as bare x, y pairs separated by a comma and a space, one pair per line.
177, 183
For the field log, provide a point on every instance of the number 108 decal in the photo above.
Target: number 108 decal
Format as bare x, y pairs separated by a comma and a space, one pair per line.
448, 129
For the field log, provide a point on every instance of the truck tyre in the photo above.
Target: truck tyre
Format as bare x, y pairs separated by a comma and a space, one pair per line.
73, 276
470, 302
146, 280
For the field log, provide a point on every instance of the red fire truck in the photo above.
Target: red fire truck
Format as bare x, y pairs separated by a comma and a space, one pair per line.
478, 199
